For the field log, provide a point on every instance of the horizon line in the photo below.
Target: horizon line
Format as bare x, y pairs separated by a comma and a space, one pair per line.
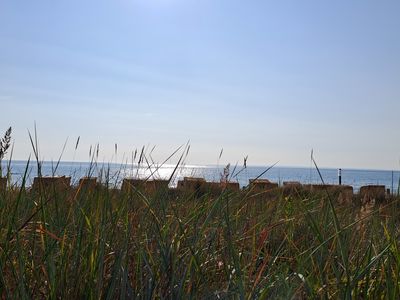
213, 165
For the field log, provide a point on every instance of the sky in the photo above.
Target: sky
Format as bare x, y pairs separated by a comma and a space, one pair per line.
270, 80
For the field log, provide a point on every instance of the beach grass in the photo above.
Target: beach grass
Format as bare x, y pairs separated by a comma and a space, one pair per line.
103, 243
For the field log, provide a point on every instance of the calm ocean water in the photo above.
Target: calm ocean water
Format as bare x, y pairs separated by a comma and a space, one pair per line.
116, 172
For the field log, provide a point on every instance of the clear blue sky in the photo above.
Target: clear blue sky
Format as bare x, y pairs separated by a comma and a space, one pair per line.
268, 79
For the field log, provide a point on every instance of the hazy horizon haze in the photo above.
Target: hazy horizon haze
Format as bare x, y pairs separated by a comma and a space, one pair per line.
271, 80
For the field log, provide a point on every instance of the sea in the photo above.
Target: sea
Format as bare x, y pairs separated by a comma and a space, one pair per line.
114, 173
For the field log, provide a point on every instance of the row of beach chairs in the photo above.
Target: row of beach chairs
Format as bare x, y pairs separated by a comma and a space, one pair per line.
199, 186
